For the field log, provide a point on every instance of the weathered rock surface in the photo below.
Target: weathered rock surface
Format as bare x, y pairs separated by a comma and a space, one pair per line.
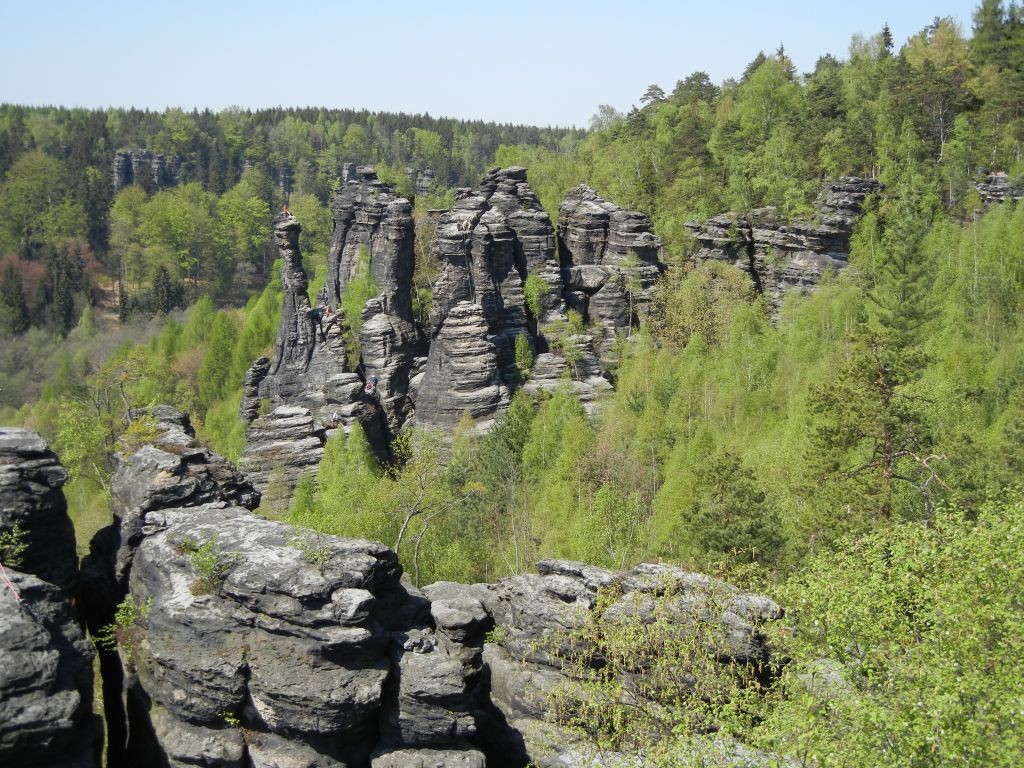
147, 169
172, 471
45, 660
610, 261
490, 244
462, 373
46, 718
530, 615
312, 645
997, 188
32, 499
783, 257
309, 371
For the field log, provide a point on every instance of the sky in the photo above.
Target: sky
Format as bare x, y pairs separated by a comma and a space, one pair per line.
549, 62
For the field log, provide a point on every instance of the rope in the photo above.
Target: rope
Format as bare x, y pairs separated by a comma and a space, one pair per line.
9, 583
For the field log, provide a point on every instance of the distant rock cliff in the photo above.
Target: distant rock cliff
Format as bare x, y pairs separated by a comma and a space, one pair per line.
780, 256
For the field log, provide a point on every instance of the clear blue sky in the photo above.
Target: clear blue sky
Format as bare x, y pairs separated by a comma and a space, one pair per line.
523, 61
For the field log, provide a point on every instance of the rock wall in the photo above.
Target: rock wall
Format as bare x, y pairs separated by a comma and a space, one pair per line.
783, 257
490, 244
32, 499
997, 188
46, 682
610, 261
172, 471
293, 401
147, 169
370, 219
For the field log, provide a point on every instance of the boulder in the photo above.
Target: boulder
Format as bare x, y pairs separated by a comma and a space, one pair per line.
46, 683
32, 500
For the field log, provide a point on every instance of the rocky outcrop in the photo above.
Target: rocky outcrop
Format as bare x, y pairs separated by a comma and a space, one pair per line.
529, 615
46, 679
307, 389
575, 362
173, 470
610, 261
149, 170
496, 245
32, 501
786, 256
461, 375
46, 718
997, 188
284, 648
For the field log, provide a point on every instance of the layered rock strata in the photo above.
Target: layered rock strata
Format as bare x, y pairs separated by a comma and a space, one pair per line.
529, 616
307, 388
46, 682
258, 644
610, 261
496, 246
997, 188
783, 257
174, 470
32, 501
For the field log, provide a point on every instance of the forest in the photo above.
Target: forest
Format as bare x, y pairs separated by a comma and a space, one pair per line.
859, 455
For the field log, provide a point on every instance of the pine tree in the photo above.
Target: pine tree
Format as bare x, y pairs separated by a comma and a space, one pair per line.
12, 296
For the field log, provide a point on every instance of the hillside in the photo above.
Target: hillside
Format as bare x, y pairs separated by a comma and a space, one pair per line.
767, 330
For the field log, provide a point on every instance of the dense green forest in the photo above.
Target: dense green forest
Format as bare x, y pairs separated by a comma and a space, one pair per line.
840, 458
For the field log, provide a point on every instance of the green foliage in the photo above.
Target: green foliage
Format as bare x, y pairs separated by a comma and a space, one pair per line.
534, 290
523, 355
13, 544
211, 564
124, 633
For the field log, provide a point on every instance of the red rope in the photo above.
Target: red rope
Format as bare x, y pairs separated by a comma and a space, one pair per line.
9, 583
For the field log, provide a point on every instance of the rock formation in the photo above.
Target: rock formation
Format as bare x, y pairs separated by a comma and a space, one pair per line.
174, 470
307, 389
258, 644
997, 188
529, 614
46, 682
32, 500
609, 262
496, 244
46, 718
781, 256
373, 225
147, 169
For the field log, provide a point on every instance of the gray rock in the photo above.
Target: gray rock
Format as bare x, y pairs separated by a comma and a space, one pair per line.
462, 373
490, 244
466, 757
610, 262
32, 499
997, 188
783, 257
290, 642
427, 703
46, 683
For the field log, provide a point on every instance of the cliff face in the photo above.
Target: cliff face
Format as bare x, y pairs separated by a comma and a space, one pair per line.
490, 244
780, 256
46, 683
372, 222
293, 401
145, 168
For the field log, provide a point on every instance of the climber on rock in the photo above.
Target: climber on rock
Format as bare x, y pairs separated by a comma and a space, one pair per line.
316, 314
330, 318
371, 386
